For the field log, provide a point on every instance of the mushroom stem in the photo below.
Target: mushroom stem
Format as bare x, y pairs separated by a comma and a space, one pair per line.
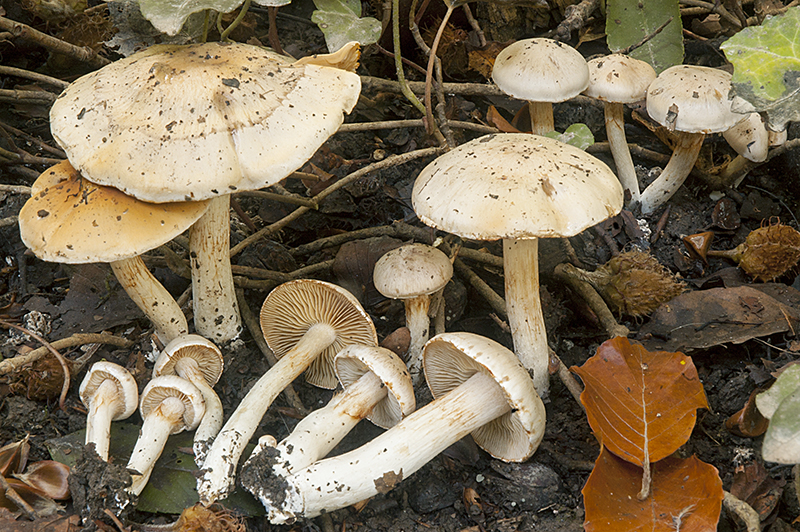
151, 297
521, 271
209, 426
153, 436
220, 464
320, 431
418, 325
216, 312
674, 174
541, 114
615, 131
379, 465
104, 404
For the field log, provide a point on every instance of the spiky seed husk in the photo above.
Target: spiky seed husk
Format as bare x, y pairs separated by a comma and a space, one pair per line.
769, 252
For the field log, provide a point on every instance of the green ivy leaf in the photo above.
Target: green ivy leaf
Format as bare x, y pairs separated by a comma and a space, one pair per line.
766, 62
788, 382
578, 135
782, 439
341, 23
628, 23
169, 15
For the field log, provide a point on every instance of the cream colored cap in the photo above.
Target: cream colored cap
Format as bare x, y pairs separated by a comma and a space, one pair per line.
165, 386
127, 391
412, 270
749, 138
618, 78
207, 355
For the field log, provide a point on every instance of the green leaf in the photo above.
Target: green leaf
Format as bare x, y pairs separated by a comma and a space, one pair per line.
766, 67
788, 382
628, 23
172, 486
340, 22
578, 135
169, 15
782, 440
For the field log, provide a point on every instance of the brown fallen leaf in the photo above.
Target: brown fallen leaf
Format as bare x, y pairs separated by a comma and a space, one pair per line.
494, 118
54, 523
748, 422
753, 485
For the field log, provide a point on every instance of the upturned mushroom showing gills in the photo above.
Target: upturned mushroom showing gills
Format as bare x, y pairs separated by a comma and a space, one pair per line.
169, 405
519, 188
376, 386
69, 219
479, 388
110, 393
200, 362
305, 322
176, 123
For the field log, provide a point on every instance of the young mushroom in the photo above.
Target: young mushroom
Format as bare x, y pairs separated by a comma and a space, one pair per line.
750, 140
169, 405
520, 188
69, 219
305, 322
480, 388
542, 72
109, 393
201, 121
412, 273
200, 362
376, 385
692, 101
615, 80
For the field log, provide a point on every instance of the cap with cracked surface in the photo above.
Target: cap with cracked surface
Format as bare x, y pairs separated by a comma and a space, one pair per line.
69, 219
204, 352
452, 358
617, 78
165, 386
412, 270
540, 70
516, 185
692, 99
293, 307
355, 360
177, 123
128, 392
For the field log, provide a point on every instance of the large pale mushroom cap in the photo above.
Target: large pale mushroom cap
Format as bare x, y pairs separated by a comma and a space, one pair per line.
452, 358
515, 185
165, 386
68, 219
355, 360
412, 270
540, 70
177, 123
204, 352
617, 78
293, 307
692, 99
127, 391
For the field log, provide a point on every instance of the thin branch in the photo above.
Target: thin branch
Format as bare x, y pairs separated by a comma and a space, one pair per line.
35, 76
646, 38
32, 97
11, 364
53, 44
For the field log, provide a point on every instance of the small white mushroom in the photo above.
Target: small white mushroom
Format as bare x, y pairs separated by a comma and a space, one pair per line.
169, 405
110, 393
199, 361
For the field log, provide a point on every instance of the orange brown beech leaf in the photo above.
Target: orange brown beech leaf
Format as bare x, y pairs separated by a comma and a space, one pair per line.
686, 496
641, 405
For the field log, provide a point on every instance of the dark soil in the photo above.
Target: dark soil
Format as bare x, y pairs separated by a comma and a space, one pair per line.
462, 489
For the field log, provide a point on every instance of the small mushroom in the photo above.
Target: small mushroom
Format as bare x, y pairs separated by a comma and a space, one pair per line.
412, 273
110, 393
376, 386
480, 388
169, 405
305, 322
542, 72
199, 361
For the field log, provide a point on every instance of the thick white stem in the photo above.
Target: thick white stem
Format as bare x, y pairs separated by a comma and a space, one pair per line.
105, 403
151, 297
216, 312
379, 465
674, 174
615, 131
524, 309
152, 438
219, 468
418, 325
209, 426
541, 114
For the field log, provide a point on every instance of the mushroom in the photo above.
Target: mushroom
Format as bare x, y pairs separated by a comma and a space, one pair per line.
175, 123
110, 393
200, 362
412, 273
693, 101
543, 72
69, 219
520, 188
480, 388
305, 322
750, 140
615, 80
169, 405
376, 386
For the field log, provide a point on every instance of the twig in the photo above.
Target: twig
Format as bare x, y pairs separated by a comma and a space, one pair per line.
31, 97
497, 303
84, 54
35, 76
474, 24
398, 59
10, 364
8, 221
567, 272
745, 512
30, 138
636, 150
568, 379
23, 157
646, 38
396, 124
115, 519
575, 17
21, 504
717, 8
294, 200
